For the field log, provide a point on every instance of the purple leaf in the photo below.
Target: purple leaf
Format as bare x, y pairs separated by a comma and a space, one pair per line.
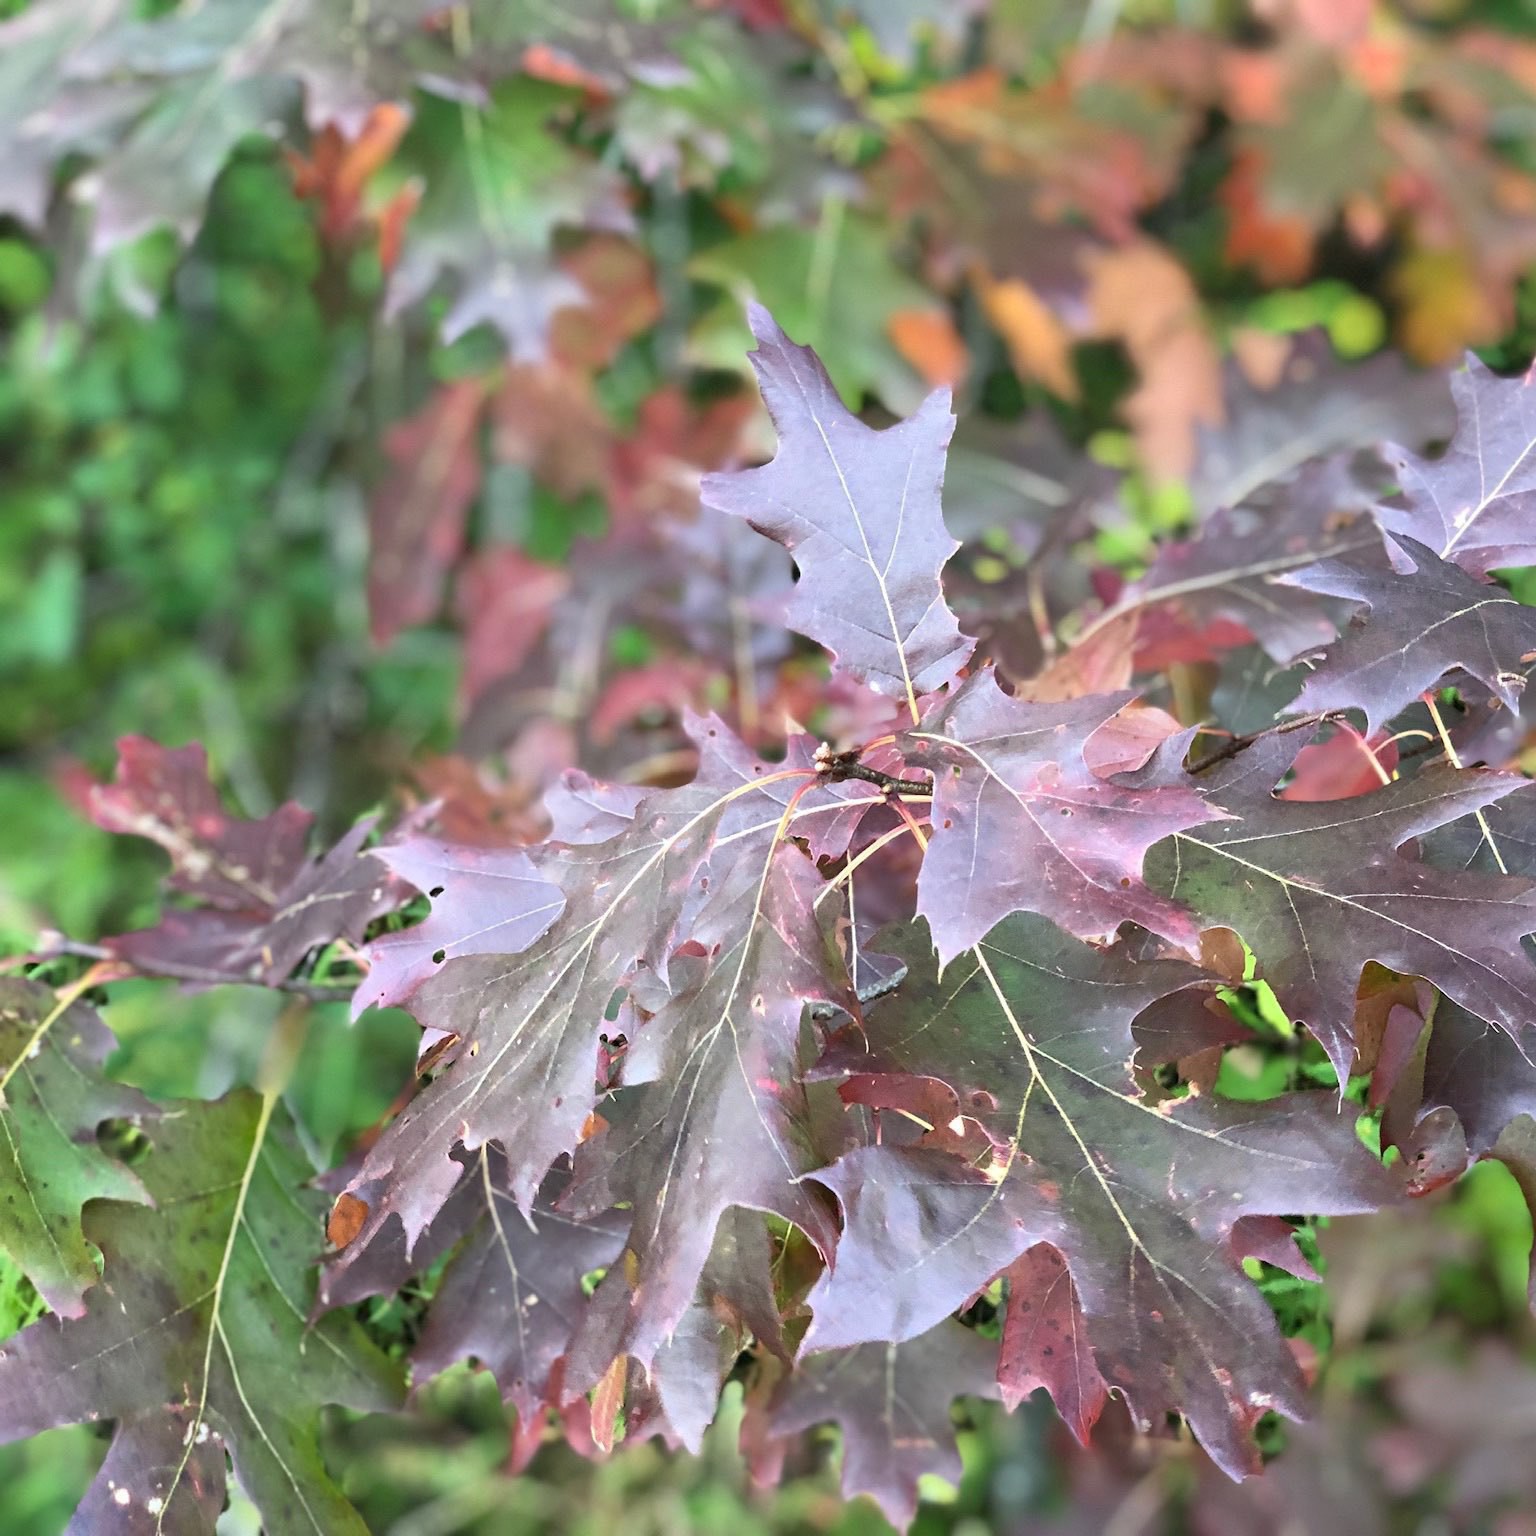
1421, 626
485, 901
522, 1063
267, 904
720, 1119
1022, 824
1032, 1034
585, 810
1476, 504
859, 511
1317, 889
1045, 1341
892, 1402
1231, 570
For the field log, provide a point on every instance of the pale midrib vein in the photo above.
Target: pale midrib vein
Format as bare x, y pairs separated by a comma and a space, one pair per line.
869, 555
256, 1424
725, 1021
1486, 498
215, 1327
506, 1252
65, 1268
1105, 1188
585, 940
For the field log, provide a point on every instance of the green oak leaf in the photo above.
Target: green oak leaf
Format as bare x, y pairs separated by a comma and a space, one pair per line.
197, 1335
52, 1098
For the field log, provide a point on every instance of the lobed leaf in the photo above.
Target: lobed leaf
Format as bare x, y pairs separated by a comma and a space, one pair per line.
1318, 889
1031, 1033
719, 1117
892, 1402
1022, 824
198, 1335
1421, 626
521, 1066
53, 1097
485, 901
859, 510
265, 904
1476, 504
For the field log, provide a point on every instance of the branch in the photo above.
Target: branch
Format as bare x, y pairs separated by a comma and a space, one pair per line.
1242, 743
838, 767
56, 946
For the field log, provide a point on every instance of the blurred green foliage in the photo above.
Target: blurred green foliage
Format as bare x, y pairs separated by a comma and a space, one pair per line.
178, 558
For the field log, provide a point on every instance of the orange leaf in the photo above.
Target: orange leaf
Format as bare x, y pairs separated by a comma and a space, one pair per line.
927, 338
1039, 345
1144, 298
1277, 246
607, 1399
393, 218
1262, 355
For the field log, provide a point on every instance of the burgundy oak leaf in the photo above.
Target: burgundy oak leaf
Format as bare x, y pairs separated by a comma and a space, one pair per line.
1045, 1341
1319, 405
521, 1067
1476, 504
859, 510
1317, 889
266, 905
511, 1296
485, 901
505, 602
1484, 1075
1421, 626
1500, 839
582, 809
892, 1402
164, 794
1032, 1033
1021, 823
720, 1119
1231, 571
335, 897
733, 1302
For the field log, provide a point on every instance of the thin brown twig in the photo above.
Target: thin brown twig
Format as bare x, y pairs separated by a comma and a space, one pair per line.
58, 947
838, 772
1238, 744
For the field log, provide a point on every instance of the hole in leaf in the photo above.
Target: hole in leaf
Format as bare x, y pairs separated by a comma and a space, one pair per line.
122, 1140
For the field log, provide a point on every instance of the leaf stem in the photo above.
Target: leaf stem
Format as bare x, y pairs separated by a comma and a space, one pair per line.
1454, 758
170, 970
64, 1000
